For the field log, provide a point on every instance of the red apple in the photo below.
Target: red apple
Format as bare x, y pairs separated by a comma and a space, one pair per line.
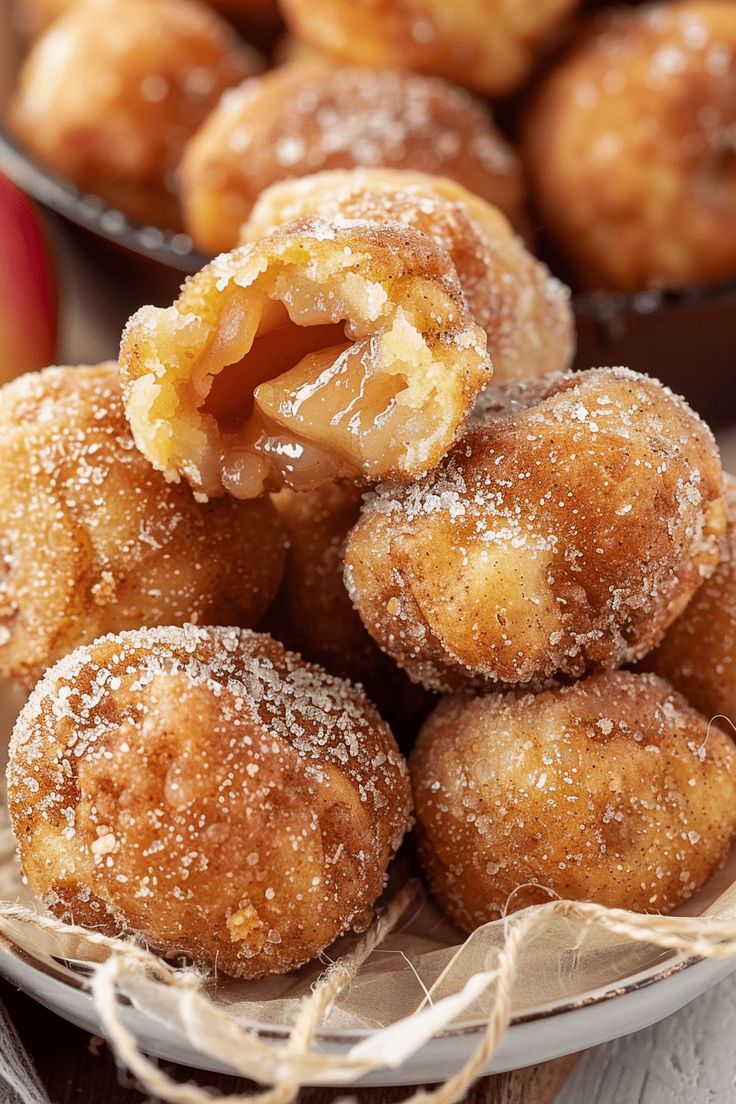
28, 303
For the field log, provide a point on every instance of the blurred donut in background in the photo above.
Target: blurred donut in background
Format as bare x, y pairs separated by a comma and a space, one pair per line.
109, 94
487, 45
630, 148
298, 120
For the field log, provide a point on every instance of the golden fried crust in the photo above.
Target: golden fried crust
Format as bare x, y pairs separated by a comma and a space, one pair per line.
563, 534
698, 653
525, 312
612, 790
629, 145
312, 613
93, 540
348, 353
489, 45
109, 95
209, 791
302, 119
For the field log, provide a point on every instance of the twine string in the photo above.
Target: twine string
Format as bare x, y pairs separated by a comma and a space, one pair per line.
279, 1065
109, 975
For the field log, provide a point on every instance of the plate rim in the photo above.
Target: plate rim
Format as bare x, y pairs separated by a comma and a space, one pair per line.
673, 963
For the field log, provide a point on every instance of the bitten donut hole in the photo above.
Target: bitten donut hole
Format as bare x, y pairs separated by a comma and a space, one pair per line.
308, 394
327, 350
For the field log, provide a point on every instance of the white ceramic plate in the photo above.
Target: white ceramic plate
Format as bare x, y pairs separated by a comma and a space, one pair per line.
540, 1034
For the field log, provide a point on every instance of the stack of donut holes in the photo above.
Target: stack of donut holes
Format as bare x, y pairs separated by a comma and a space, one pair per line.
605, 135
340, 547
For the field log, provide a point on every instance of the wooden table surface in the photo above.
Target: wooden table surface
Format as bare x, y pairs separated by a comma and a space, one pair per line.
688, 1059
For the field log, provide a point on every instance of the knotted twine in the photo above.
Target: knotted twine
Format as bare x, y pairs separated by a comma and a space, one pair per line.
286, 1066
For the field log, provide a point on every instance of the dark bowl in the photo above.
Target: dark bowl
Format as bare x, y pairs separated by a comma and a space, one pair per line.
686, 337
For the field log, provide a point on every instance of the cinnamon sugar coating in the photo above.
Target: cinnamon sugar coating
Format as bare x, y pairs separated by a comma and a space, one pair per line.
612, 790
326, 350
489, 45
525, 311
209, 792
698, 652
94, 540
301, 119
111, 92
563, 534
630, 147
312, 613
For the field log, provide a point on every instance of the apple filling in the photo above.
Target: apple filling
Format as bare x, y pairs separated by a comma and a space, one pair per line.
288, 373
305, 404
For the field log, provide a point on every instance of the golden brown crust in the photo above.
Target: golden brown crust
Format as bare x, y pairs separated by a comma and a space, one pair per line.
563, 534
525, 311
325, 350
300, 119
613, 790
94, 540
312, 613
109, 95
209, 791
698, 652
488, 45
630, 148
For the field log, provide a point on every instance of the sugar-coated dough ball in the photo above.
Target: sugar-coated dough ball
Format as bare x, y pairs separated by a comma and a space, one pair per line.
630, 148
312, 613
698, 652
563, 534
489, 45
109, 95
301, 119
94, 540
209, 791
611, 790
525, 311
326, 350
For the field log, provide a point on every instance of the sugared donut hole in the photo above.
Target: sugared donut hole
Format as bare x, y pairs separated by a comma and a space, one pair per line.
379, 389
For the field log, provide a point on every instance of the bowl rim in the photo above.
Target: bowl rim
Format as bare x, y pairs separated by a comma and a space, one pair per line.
88, 211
